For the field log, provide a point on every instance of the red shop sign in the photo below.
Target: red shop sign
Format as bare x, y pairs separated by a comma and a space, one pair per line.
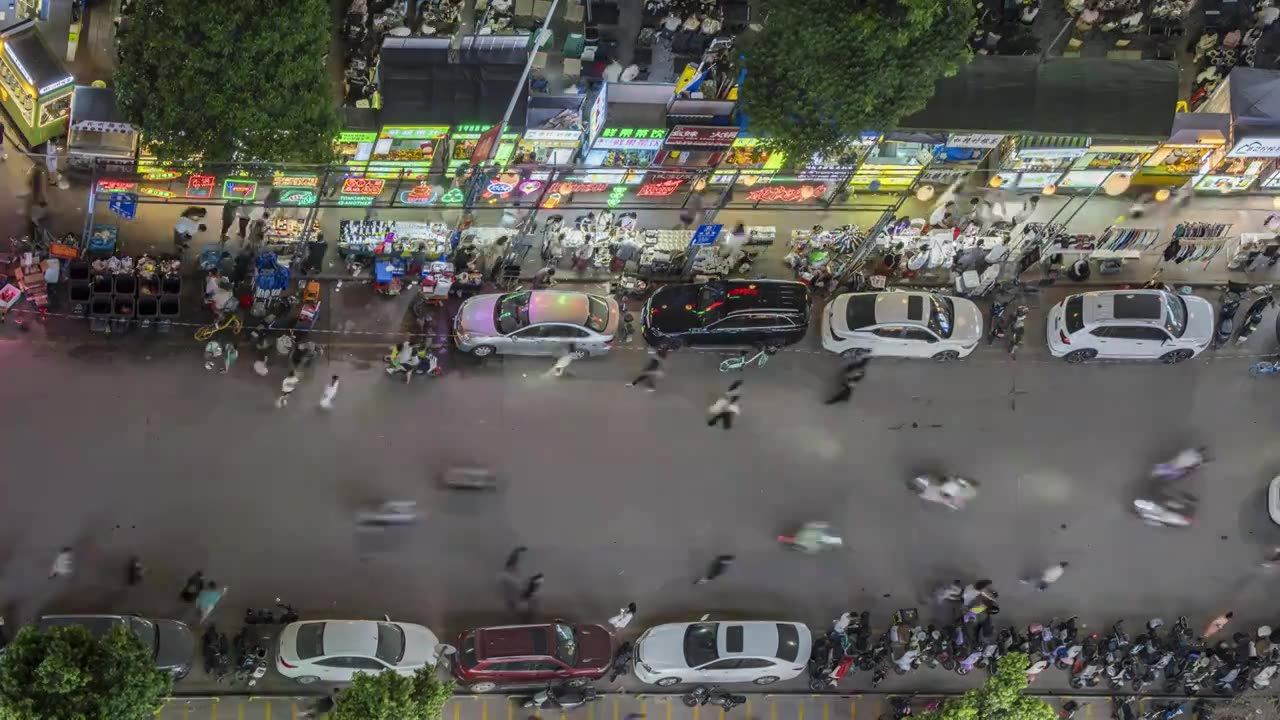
577, 187
660, 188
200, 186
362, 186
708, 136
775, 193
106, 186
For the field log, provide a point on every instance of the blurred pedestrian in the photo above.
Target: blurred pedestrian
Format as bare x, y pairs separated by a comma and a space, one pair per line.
620, 665
229, 357
193, 586
63, 564
544, 278
260, 365
561, 367
287, 386
976, 590
845, 392
184, 230
623, 618
716, 569
212, 351
51, 156
651, 373
208, 599
330, 391
510, 580
532, 587
1216, 625
228, 216
1051, 575
4, 152
136, 570
726, 406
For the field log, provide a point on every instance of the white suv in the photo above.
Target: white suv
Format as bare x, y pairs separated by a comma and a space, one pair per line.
1130, 324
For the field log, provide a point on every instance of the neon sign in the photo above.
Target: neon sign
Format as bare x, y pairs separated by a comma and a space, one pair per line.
162, 175
453, 197
362, 186
239, 189
660, 188
421, 194
116, 186
297, 196
498, 190
355, 201
616, 194
529, 187
302, 181
774, 193
577, 187
157, 192
200, 186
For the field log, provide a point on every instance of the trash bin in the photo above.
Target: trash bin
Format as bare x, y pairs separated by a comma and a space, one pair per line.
80, 294
124, 306
171, 285
102, 285
148, 311
78, 270
100, 314
126, 285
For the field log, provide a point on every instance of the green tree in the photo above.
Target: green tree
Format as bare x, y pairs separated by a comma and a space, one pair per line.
1000, 698
229, 80
822, 71
391, 696
64, 672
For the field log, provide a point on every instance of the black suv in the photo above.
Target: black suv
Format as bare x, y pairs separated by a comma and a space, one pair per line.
771, 313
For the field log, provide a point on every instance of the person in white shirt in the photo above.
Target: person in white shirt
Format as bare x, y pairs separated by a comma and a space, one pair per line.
623, 618
940, 213
183, 231
287, 387
330, 392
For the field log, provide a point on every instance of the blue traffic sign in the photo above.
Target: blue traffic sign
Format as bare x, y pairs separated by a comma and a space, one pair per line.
124, 204
705, 235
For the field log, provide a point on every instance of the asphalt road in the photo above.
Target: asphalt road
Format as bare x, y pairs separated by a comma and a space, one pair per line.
623, 495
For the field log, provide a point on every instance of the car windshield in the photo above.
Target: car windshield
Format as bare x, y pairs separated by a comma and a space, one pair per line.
861, 311
310, 642
511, 312
940, 319
597, 314
700, 644
566, 645
146, 632
390, 643
1175, 320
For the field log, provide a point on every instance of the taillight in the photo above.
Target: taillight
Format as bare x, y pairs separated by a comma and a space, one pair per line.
1063, 337
285, 664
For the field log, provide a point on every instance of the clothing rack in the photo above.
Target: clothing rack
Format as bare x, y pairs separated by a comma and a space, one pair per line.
1195, 230
1196, 242
1116, 239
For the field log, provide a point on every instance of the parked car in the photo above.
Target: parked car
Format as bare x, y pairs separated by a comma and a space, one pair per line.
760, 652
537, 322
772, 313
1130, 324
532, 654
335, 650
170, 642
902, 324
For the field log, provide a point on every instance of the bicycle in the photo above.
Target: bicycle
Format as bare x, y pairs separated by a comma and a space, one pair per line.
1265, 367
742, 360
231, 322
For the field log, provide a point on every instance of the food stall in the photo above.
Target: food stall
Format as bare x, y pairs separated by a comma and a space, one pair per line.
464, 139
954, 161
354, 148
97, 132
747, 157
1250, 159
625, 147
895, 162
408, 150
1035, 162
1197, 143
696, 145
1105, 162
35, 86
554, 130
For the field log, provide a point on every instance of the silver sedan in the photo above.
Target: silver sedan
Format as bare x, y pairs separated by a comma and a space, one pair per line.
537, 322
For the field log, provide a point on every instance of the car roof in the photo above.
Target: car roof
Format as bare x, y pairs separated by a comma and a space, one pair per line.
901, 308
350, 637
1124, 307
558, 306
758, 638
767, 295
512, 641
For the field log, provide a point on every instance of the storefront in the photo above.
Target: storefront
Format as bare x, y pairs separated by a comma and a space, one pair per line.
35, 86
1248, 161
954, 161
746, 157
895, 162
1105, 165
696, 145
354, 148
626, 147
627, 127
465, 138
410, 150
97, 133
1034, 162
554, 129
1198, 143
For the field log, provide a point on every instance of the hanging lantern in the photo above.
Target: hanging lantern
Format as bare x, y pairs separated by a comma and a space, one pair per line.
995, 181
1049, 189
1116, 184
925, 193
1162, 194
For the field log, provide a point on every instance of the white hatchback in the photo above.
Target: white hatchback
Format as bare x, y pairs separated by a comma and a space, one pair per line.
902, 324
335, 650
1130, 325
722, 652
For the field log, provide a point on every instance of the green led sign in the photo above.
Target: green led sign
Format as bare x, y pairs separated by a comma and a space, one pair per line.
638, 133
296, 196
471, 129
453, 197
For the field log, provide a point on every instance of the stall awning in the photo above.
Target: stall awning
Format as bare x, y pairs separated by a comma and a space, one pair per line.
1200, 127
1069, 96
421, 85
42, 68
94, 109
1047, 142
1250, 95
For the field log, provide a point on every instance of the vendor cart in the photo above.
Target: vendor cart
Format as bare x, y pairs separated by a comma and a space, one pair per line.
310, 308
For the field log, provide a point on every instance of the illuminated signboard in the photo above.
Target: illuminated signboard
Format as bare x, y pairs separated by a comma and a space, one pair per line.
239, 189
157, 192
453, 197
616, 194
498, 191
660, 188
702, 136
577, 187
162, 175
357, 137
362, 186
355, 200
410, 133
631, 139
296, 196
105, 186
302, 181
200, 186
529, 187
471, 130
421, 194
553, 138
775, 193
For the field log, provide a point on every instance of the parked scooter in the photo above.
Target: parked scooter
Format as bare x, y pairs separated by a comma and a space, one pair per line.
268, 616
561, 698
703, 695
1228, 305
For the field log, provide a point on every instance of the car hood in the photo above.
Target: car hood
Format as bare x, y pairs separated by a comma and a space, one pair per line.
662, 647
419, 645
1199, 319
968, 322
595, 648
838, 314
671, 309
176, 646
476, 314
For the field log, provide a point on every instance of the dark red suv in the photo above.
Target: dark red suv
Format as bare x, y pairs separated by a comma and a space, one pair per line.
531, 654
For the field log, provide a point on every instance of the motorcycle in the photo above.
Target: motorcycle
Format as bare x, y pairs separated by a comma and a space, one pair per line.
217, 656
1228, 304
1122, 707
268, 616
949, 491
1253, 317
812, 538
417, 363
561, 698
703, 695
1166, 509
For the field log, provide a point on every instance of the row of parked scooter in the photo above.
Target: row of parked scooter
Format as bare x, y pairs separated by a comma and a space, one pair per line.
1174, 656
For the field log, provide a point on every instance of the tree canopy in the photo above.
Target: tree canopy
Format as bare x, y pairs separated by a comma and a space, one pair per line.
822, 71
229, 80
1000, 698
64, 672
391, 696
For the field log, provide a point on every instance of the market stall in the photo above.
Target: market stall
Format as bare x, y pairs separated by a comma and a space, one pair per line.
554, 131
97, 132
407, 150
625, 147
363, 239
1112, 164
746, 157
1246, 163
354, 149
35, 87
465, 138
696, 145
895, 162
819, 255
1034, 162
1197, 143
954, 161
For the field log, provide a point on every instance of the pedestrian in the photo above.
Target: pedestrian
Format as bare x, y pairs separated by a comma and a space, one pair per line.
184, 229
136, 570
510, 580
260, 365
212, 351
941, 213
623, 618
846, 388
651, 373
192, 588
287, 387
1028, 209
561, 367
228, 215
4, 152
1050, 576
621, 663
40, 215
1216, 624
974, 591
63, 564
208, 599
715, 569
513, 558
948, 593
51, 162
843, 622
532, 587
726, 406
330, 390
243, 214
583, 254
544, 278
229, 357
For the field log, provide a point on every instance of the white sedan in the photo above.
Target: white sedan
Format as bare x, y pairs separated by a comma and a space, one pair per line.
760, 652
902, 324
335, 650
